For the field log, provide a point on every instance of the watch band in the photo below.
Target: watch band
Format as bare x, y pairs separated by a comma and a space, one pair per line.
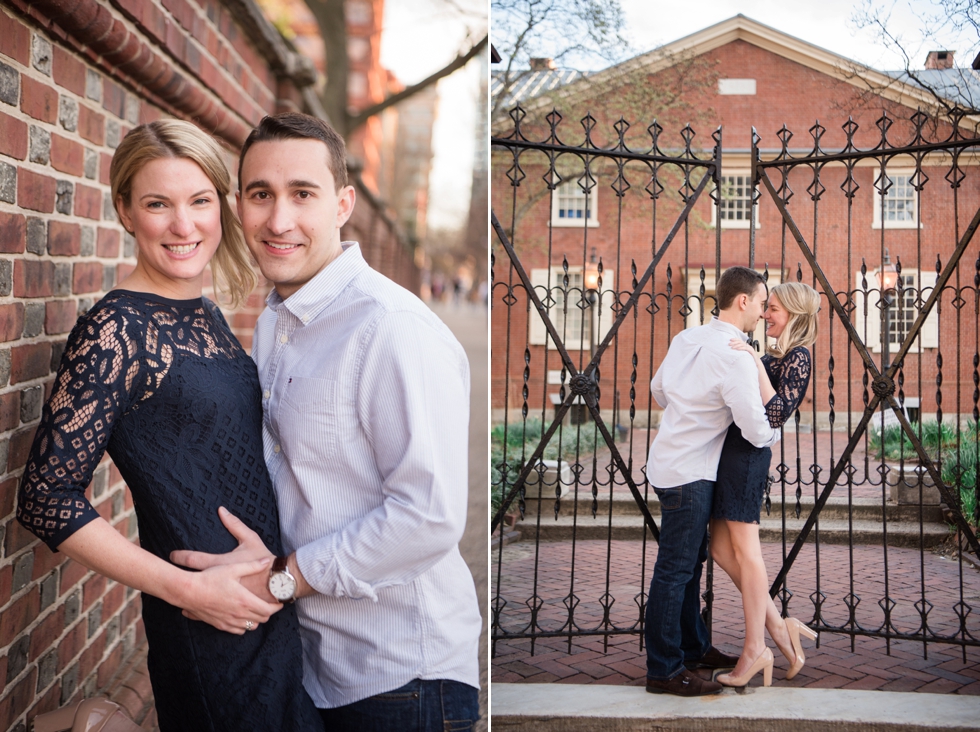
279, 565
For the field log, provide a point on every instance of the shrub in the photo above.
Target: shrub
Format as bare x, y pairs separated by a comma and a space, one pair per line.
959, 464
521, 441
935, 438
959, 470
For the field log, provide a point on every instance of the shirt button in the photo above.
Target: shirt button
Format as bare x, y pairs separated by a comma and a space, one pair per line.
283, 339
266, 394
276, 449
306, 318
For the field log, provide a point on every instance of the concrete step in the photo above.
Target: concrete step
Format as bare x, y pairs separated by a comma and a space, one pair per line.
580, 708
623, 504
832, 531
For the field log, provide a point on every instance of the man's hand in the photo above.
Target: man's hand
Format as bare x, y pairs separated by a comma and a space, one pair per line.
250, 549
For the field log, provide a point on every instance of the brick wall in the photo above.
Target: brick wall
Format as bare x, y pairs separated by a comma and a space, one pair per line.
75, 76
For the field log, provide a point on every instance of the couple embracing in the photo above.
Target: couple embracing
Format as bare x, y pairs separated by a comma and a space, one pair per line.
300, 508
709, 465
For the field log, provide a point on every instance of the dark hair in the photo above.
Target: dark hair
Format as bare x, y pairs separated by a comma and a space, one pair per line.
297, 126
737, 281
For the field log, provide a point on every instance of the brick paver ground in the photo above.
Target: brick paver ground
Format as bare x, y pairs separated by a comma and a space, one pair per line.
834, 664
132, 691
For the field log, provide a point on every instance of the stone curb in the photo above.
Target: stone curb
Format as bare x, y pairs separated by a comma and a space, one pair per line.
581, 708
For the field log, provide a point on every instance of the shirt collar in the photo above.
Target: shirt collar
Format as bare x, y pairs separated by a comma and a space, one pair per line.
311, 299
728, 328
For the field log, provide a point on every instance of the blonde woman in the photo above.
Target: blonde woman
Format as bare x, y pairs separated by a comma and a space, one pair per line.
153, 376
743, 470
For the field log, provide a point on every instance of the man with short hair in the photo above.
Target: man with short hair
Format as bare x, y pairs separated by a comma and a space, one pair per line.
703, 385
366, 412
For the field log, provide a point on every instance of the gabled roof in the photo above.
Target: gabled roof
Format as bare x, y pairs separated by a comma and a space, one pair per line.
530, 84
960, 86
890, 85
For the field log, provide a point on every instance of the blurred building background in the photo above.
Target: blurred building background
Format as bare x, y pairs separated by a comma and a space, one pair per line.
395, 151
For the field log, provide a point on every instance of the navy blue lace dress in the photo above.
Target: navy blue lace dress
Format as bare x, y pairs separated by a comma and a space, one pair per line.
743, 469
165, 387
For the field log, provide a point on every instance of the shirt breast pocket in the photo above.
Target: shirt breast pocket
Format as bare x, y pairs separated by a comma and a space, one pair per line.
309, 419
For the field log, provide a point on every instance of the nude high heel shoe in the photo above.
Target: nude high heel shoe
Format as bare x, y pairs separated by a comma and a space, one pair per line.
762, 663
795, 629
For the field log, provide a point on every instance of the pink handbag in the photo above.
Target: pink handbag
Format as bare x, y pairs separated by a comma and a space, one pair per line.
97, 714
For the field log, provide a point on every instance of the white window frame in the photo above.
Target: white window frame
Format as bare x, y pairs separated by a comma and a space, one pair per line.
572, 186
876, 222
732, 223
601, 321
929, 333
694, 289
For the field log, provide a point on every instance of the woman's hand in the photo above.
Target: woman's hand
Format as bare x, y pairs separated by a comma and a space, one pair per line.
737, 344
219, 597
765, 388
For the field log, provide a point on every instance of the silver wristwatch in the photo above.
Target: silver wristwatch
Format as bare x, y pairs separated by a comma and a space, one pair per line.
282, 584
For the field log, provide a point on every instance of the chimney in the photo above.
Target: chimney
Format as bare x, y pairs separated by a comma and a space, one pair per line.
940, 60
543, 64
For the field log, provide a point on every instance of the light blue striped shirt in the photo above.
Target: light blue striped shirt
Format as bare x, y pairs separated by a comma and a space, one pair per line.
366, 411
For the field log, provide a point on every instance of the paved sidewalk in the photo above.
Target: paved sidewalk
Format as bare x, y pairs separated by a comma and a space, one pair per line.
834, 664
574, 708
132, 691
469, 324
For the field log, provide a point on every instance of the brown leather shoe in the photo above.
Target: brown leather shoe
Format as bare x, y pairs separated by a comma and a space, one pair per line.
684, 684
713, 659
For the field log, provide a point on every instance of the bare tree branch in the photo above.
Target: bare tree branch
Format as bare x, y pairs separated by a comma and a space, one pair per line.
953, 91
355, 121
571, 32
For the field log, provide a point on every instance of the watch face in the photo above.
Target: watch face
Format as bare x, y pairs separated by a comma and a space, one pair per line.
282, 586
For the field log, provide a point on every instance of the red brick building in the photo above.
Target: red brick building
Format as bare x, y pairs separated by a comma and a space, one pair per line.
758, 78
75, 77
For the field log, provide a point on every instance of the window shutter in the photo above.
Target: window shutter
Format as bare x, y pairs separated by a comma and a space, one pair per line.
604, 313
537, 334
930, 328
869, 329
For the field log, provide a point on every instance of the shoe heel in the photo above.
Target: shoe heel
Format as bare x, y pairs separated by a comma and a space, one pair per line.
796, 629
767, 673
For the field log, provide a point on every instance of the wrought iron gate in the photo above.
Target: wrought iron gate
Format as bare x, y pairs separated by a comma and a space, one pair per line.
587, 347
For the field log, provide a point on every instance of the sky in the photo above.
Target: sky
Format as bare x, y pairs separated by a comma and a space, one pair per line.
825, 23
419, 38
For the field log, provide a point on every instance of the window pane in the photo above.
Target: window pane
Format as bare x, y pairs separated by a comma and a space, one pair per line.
902, 313
900, 200
736, 198
575, 326
572, 201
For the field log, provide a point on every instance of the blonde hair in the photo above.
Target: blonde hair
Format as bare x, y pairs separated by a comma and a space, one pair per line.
231, 265
802, 303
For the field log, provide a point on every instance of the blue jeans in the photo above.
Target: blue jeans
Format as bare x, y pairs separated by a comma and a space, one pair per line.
418, 706
674, 628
